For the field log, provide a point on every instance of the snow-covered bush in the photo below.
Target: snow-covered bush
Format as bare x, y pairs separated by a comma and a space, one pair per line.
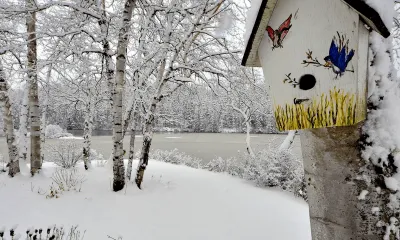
2, 164
65, 154
68, 179
94, 155
230, 165
176, 157
97, 157
51, 233
275, 168
55, 131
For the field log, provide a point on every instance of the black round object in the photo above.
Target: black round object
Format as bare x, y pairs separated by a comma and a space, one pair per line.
307, 82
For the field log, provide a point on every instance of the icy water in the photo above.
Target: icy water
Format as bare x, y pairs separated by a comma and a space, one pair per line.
206, 146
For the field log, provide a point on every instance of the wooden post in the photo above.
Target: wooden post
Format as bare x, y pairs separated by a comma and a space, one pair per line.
332, 163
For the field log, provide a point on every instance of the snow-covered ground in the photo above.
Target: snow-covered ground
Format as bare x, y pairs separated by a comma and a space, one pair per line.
71, 138
176, 202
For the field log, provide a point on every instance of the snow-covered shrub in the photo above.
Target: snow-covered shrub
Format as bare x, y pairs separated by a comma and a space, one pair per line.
50, 233
230, 165
268, 168
94, 155
97, 157
55, 131
275, 168
66, 153
2, 164
68, 179
176, 157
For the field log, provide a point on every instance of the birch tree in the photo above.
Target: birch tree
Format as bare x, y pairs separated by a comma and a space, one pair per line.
118, 153
5, 103
34, 111
23, 126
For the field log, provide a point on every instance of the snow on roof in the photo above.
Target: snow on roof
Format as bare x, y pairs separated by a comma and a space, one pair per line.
385, 10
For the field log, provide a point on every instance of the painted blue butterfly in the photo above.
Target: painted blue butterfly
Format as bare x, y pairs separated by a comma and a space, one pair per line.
339, 56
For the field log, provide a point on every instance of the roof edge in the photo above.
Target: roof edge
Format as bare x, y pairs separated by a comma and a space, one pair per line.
249, 45
370, 16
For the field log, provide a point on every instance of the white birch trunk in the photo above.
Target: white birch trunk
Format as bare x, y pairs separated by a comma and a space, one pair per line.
248, 128
44, 115
34, 110
248, 138
287, 143
109, 65
43, 128
332, 165
148, 128
131, 151
118, 153
23, 127
13, 164
131, 114
87, 135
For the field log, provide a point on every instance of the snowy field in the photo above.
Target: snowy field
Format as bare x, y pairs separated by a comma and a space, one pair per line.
176, 202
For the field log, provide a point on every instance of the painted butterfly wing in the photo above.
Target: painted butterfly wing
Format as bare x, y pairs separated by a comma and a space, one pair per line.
285, 27
271, 33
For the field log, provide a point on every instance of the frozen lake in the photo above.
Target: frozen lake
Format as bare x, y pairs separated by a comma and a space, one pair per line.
206, 146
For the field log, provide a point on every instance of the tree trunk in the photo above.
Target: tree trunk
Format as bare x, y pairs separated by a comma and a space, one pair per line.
247, 120
87, 135
287, 143
34, 111
131, 152
144, 154
332, 164
23, 127
118, 154
148, 128
13, 165
44, 115
109, 66
248, 138
43, 128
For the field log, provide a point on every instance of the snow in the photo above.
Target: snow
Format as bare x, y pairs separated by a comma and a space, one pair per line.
392, 183
375, 210
176, 202
224, 25
385, 9
71, 138
382, 126
251, 19
363, 194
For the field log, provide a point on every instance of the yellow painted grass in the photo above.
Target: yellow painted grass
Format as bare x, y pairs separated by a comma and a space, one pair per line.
334, 109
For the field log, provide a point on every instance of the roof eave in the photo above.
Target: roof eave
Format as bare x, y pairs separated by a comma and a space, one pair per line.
250, 57
370, 16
